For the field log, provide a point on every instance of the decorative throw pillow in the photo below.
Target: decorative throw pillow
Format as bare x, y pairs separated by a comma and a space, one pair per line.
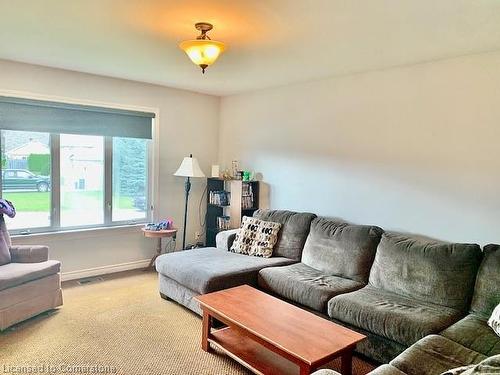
494, 321
256, 237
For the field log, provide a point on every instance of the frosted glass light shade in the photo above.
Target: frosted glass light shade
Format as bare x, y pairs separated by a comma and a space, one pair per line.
203, 52
189, 168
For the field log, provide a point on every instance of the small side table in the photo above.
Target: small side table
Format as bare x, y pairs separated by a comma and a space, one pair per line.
158, 234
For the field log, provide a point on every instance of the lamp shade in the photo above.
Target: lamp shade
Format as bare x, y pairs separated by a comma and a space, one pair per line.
189, 168
202, 52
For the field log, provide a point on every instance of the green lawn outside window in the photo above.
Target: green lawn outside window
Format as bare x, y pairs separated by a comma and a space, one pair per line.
40, 202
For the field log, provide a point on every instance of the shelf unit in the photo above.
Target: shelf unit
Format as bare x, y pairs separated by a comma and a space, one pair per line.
234, 209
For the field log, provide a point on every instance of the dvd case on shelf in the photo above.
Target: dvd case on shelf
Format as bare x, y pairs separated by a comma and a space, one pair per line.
246, 196
219, 198
223, 222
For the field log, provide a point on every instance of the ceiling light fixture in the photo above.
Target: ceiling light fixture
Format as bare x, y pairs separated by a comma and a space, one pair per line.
203, 51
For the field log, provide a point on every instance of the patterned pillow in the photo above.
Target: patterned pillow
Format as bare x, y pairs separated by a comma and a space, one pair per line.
256, 237
494, 321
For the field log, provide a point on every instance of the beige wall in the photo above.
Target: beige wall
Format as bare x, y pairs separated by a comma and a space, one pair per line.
413, 148
188, 124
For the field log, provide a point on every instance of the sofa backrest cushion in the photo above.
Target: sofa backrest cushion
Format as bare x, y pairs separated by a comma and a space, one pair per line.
431, 271
487, 289
341, 249
293, 233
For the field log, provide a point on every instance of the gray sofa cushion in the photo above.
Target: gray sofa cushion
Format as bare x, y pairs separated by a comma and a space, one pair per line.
209, 269
474, 333
402, 319
179, 293
486, 293
294, 231
14, 274
378, 348
387, 370
434, 355
436, 272
341, 249
305, 285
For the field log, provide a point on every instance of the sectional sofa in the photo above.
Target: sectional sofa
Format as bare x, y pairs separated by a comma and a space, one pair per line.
418, 301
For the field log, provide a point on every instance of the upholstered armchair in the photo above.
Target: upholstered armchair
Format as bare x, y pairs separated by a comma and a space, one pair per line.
30, 283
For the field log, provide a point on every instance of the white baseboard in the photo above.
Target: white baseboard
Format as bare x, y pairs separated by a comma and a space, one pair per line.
97, 271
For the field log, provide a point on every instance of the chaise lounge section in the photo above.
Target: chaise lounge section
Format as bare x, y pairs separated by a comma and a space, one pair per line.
187, 274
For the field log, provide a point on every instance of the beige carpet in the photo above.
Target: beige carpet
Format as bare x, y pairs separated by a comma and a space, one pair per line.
120, 323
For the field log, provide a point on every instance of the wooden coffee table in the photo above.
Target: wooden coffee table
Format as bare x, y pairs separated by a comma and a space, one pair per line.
270, 336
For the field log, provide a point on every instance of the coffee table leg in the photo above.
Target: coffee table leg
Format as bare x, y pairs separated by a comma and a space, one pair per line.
207, 326
347, 363
305, 369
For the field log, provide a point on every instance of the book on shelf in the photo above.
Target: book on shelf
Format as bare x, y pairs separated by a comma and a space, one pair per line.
219, 198
247, 196
223, 223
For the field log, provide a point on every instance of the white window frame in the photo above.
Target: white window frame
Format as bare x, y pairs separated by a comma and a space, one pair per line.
153, 171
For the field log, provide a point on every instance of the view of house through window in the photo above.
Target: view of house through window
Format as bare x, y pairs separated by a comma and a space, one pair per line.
82, 180
26, 177
27, 180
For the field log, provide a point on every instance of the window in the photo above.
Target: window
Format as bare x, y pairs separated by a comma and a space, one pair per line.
26, 177
130, 179
82, 180
83, 167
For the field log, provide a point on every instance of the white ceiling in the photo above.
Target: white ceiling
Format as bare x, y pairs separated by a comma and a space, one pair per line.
270, 42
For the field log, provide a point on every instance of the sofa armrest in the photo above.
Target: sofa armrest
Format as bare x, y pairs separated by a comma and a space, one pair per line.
325, 372
29, 254
388, 370
225, 239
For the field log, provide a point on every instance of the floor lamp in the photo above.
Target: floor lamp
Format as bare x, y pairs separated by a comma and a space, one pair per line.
189, 168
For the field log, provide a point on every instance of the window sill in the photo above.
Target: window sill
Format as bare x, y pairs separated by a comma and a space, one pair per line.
81, 233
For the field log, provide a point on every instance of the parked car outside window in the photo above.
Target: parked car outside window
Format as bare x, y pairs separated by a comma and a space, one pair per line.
21, 179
